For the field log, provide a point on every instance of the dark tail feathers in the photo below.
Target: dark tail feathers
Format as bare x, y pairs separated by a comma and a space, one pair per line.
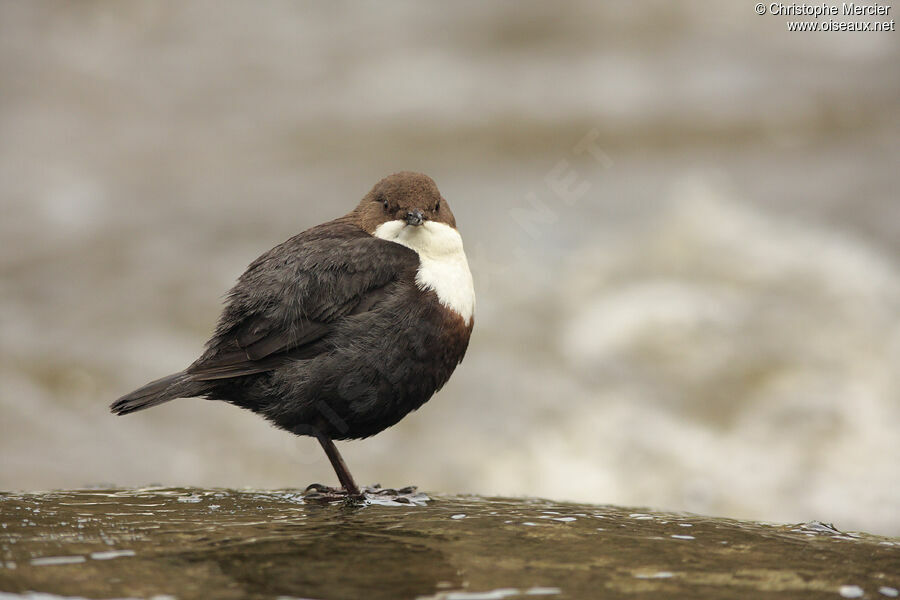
178, 385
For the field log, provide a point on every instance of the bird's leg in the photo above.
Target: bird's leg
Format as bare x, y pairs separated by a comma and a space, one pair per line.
340, 467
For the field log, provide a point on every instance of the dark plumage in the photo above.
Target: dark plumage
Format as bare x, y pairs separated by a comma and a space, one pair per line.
343, 329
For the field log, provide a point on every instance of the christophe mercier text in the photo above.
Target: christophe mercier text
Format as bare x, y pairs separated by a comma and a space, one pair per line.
826, 10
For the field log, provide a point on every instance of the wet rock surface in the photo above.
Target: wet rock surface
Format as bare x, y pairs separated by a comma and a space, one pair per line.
196, 543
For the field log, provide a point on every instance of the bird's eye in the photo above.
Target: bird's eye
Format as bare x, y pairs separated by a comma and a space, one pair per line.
384, 203
437, 206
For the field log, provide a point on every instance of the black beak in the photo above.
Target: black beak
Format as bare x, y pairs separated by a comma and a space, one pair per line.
415, 218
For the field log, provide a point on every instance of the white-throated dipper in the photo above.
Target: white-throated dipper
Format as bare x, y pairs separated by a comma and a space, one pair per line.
343, 329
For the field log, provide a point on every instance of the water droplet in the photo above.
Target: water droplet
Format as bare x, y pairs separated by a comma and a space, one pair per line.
851, 591
542, 591
490, 595
657, 575
57, 560
111, 554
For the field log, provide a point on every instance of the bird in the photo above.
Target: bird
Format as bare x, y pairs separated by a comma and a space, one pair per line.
343, 329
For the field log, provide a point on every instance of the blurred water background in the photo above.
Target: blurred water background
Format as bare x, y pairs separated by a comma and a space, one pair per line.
683, 222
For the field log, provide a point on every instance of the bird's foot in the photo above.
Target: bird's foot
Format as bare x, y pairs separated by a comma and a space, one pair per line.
317, 492
374, 494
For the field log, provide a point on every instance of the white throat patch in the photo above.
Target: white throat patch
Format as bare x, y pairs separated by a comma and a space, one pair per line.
442, 262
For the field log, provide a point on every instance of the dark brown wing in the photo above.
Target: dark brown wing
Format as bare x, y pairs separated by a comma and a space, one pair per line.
291, 297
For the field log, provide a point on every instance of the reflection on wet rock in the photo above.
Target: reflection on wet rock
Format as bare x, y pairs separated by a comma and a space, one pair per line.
195, 543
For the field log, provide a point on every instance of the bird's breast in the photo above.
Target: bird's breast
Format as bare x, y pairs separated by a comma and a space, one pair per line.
443, 266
